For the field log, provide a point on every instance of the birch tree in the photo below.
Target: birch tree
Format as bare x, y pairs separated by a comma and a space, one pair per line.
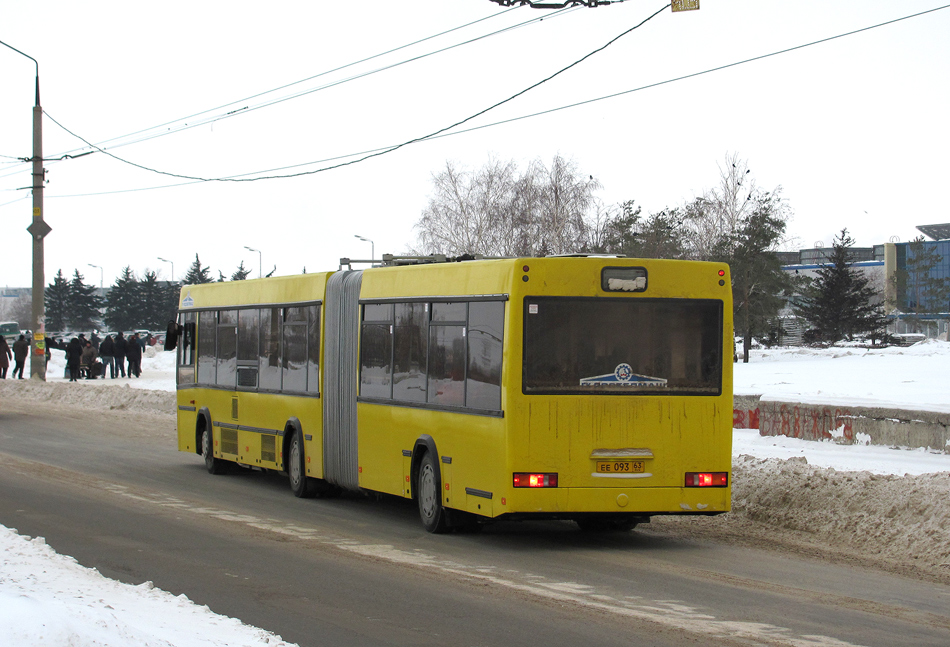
499, 211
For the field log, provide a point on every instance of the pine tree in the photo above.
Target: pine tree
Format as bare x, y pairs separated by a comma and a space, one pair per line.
759, 284
84, 304
659, 235
241, 273
123, 304
171, 296
56, 296
155, 307
197, 274
840, 303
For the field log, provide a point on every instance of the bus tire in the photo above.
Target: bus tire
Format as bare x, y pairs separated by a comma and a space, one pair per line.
434, 517
214, 465
301, 485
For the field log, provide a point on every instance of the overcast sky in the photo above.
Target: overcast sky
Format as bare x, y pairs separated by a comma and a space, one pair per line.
854, 130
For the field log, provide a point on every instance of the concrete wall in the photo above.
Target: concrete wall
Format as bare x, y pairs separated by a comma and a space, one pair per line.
843, 424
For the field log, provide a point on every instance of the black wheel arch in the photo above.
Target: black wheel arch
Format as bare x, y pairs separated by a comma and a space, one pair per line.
425, 444
291, 427
203, 421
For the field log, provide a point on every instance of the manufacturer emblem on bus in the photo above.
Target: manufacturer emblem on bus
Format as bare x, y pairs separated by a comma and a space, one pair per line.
623, 375
188, 302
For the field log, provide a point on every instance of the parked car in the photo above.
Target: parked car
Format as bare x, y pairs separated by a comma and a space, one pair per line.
10, 330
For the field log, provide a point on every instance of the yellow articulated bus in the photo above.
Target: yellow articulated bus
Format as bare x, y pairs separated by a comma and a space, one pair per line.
591, 389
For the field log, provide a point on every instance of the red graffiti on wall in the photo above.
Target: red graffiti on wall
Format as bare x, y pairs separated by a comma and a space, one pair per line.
742, 419
810, 422
843, 418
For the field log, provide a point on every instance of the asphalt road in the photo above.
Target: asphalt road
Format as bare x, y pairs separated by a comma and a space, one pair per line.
109, 489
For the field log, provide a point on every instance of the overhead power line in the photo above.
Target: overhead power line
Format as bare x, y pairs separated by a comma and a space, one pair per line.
377, 153
383, 149
154, 133
186, 123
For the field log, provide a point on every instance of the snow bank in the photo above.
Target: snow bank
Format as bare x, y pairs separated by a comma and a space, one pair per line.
886, 506
47, 599
899, 519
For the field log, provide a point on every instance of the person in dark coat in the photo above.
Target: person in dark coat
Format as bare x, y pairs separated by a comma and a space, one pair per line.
120, 347
5, 356
21, 348
107, 355
73, 358
89, 357
134, 353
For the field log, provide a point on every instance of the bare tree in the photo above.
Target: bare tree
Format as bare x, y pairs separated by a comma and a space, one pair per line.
718, 214
496, 211
19, 310
468, 212
565, 198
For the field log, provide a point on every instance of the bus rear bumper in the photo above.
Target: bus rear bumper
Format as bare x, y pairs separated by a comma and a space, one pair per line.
562, 502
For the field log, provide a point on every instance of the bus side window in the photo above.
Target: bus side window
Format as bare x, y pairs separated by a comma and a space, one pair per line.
376, 351
207, 336
227, 349
269, 354
186, 349
447, 353
295, 350
410, 351
313, 350
486, 324
248, 339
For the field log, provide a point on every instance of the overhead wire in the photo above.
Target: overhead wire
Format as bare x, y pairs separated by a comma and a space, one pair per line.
245, 109
440, 135
89, 148
380, 152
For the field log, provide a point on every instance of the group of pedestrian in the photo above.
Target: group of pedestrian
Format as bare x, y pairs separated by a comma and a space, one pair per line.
84, 357
111, 353
21, 348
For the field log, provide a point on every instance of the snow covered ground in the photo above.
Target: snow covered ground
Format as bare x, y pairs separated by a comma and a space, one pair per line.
888, 503
915, 377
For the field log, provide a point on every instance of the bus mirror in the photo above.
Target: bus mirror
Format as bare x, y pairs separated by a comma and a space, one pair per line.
171, 335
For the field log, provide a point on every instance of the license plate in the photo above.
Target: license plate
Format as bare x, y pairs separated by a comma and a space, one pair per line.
619, 467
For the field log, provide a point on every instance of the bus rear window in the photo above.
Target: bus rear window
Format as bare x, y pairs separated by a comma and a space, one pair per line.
622, 346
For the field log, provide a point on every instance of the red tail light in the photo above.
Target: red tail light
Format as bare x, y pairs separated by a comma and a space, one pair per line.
707, 479
525, 479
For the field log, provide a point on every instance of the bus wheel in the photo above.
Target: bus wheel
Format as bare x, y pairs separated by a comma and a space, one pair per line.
214, 465
434, 517
297, 469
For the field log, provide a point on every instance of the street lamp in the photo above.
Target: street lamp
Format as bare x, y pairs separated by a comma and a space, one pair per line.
38, 230
101, 273
372, 246
165, 260
260, 272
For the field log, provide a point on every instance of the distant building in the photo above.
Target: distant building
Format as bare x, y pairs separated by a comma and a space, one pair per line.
879, 263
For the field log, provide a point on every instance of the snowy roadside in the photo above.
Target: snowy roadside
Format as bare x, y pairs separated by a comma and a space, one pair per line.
50, 599
874, 505
913, 377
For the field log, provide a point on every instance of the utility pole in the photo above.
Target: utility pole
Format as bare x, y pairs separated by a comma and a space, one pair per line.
38, 230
